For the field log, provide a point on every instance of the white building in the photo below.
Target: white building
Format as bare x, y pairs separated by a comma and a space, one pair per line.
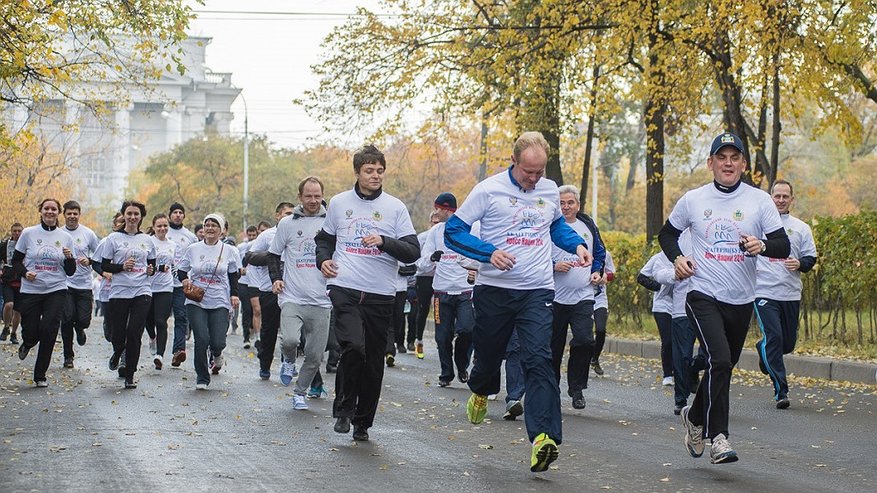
103, 149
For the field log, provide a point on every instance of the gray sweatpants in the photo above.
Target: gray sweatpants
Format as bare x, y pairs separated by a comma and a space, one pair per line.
309, 321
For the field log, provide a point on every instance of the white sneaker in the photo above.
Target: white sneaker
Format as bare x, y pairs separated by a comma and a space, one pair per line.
667, 382
287, 372
157, 361
200, 386
218, 361
721, 451
152, 346
693, 435
42, 384
299, 402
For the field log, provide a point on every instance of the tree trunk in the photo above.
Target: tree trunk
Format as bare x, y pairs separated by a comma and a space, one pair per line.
777, 124
482, 163
551, 129
655, 111
589, 142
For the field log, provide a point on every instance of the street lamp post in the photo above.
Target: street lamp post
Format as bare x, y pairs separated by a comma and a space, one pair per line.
246, 162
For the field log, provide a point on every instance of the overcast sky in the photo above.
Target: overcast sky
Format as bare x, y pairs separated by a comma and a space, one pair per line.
269, 46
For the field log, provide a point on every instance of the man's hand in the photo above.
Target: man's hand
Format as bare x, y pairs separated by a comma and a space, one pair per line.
792, 264
31, 276
751, 245
277, 287
67, 253
329, 269
436, 255
502, 260
684, 267
596, 278
129, 264
562, 266
186, 283
235, 302
84, 261
584, 255
375, 241
150, 270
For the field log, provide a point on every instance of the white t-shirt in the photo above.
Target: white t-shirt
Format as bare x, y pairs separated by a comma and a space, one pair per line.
426, 270
303, 283
84, 245
182, 238
257, 276
243, 248
600, 298
200, 262
662, 300
575, 285
44, 255
121, 246
665, 273
350, 218
772, 279
517, 222
450, 277
165, 251
718, 221
105, 284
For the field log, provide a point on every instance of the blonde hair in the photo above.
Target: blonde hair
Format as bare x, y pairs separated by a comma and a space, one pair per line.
528, 140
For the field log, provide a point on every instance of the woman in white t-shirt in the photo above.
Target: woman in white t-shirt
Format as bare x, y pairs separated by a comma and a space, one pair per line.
129, 255
106, 280
213, 266
44, 259
162, 289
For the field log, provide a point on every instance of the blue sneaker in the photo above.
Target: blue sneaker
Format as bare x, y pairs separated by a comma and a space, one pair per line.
264, 374
287, 372
318, 393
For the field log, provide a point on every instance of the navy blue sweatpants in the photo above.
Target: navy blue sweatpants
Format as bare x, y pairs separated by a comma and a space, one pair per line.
778, 322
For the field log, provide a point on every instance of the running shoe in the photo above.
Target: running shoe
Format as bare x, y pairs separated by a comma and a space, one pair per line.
476, 408
330, 368
342, 425
68, 362
318, 393
544, 453
513, 409
130, 384
391, 360
401, 349
23, 350
13, 338
246, 344
80, 336
444, 383
157, 361
721, 451
360, 433
783, 403
264, 374
5, 334
200, 386
578, 400
463, 376
693, 434
287, 372
178, 358
410, 345
677, 409
597, 368
218, 363
667, 382
418, 350
153, 348
42, 384
113, 364
299, 403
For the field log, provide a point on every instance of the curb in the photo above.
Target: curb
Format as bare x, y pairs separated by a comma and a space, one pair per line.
802, 366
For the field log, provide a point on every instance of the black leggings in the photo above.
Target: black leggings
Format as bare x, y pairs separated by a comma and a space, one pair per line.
40, 321
424, 303
129, 319
601, 316
156, 319
665, 330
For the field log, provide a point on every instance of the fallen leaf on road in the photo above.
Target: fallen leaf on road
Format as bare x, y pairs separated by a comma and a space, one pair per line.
485, 446
665, 480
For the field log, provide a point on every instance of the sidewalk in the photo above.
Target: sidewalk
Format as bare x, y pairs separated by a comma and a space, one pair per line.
802, 366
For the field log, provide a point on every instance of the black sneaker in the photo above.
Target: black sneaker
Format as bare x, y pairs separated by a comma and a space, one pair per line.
114, 362
80, 337
342, 425
400, 348
409, 347
68, 362
13, 338
360, 434
391, 360
5, 334
444, 383
597, 368
463, 376
331, 368
23, 350
512, 410
578, 400
130, 383
678, 409
783, 403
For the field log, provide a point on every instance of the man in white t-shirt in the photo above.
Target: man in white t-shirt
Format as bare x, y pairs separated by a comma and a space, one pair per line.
778, 294
244, 286
182, 238
300, 289
366, 234
520, 219
727, 218
77, 307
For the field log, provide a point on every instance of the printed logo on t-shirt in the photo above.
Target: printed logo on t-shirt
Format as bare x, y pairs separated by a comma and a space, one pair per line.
707, 213
528, 221
138, 253
723, 237
306, 253
47, 259
377, 215
738, 215
358, 229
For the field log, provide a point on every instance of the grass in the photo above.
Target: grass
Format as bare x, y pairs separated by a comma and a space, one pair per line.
626, 327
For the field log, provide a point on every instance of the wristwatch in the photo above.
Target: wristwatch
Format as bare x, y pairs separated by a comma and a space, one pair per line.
763, 247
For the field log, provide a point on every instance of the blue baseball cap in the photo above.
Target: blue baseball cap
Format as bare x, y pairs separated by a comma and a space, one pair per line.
726, 139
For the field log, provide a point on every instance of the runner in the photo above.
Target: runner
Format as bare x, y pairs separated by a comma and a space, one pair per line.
182, 238
662, 310
44, 259
601, 313
77, 307
11, 286
243, 287
162, 289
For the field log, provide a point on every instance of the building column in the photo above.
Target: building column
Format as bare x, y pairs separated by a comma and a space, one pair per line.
122, 164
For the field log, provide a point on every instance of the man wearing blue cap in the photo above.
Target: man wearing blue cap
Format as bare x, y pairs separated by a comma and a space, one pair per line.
727, 219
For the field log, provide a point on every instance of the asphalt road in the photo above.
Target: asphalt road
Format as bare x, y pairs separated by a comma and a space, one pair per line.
84, 433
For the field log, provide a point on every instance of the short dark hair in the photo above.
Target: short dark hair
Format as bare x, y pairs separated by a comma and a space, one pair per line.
16, 225
284, 205
252, 228
160, 215
198, 227
71, 204
311, 179
266, 224
368, 154
782, 182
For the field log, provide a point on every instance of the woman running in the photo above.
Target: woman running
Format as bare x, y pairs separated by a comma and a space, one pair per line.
212, 266
162, 289
44, 259
130, 256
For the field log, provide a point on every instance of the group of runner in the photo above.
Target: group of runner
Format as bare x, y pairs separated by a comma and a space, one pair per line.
507, 275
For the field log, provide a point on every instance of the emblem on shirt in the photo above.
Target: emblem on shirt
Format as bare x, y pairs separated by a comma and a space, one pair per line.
513, 201
738, 215
78, 240
348, 213
707, 213
299, 233
39, 241
201, 258
377, 215
57, 243
540, 202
